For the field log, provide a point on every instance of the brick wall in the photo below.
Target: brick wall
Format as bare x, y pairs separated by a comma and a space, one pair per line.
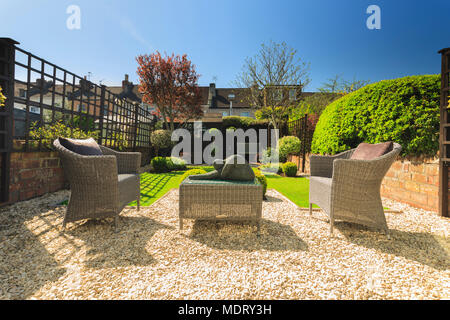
413, 181
34, 174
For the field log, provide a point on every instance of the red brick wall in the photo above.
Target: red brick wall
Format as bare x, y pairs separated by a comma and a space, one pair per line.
34, 174
413, 181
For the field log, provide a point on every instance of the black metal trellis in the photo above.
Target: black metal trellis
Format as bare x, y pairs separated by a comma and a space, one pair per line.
40, 94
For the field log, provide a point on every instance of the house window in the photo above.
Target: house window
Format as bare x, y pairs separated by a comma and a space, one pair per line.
245, 114
277, 94
292, 94
105, 112
22, 93
225, 114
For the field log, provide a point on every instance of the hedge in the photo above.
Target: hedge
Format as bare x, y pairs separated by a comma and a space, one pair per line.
404, 110
243, 122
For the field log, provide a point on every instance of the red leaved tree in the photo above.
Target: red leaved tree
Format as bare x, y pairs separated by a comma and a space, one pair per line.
170, 84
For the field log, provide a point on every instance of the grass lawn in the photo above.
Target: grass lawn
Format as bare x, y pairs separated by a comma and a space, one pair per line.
295, 189
155, 185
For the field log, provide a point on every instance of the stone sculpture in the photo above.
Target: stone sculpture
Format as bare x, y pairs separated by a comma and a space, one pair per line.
233, 168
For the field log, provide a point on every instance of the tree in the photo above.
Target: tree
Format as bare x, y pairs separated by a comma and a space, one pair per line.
342, 86
170, 84
313, 104
268, 78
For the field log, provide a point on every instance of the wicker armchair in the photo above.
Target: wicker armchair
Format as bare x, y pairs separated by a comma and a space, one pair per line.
348, 189
101, 186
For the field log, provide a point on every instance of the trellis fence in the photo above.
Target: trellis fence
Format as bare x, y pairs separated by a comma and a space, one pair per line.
42, 96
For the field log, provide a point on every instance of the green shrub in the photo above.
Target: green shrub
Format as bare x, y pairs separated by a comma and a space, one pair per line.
48, 133
162, 164
161, 139
290, 169
191, 172
243, 122
2, 98
288, 145
273, 168
178, 163
262, 179
404, 110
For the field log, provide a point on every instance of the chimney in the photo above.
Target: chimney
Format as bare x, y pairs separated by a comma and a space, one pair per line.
211, 95
125, 82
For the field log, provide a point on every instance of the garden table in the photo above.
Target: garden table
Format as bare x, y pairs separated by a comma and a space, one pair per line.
221, 200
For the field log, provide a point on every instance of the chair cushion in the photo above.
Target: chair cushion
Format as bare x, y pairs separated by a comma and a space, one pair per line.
367, 151
87, 147
128, 187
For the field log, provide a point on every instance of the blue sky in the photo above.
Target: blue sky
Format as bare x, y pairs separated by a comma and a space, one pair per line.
219, 35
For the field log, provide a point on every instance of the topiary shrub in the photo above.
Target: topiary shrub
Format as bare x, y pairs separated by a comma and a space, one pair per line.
162, 164
191, 172
262, 179
288, 145
160, 139
404, 110
290, 169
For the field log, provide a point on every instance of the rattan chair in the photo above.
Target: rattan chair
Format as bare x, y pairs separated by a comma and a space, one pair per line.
101, 186
348, 189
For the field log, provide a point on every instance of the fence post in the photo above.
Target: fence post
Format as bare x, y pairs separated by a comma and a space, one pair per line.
102, 114
136, 118
7, 67
305, 129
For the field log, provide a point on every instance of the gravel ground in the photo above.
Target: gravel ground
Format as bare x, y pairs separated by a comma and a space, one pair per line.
148, 258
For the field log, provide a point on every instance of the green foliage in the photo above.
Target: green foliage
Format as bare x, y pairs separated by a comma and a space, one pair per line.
48, 133
2, 98
404, 110
242, 122
116, 140
273, 168
290, 169
162, 164
262, 179
83, 122
269, 155
161, 139
191, 173
178, 163
288, 145
312, 104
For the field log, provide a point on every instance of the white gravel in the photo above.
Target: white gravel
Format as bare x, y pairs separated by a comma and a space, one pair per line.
148, 258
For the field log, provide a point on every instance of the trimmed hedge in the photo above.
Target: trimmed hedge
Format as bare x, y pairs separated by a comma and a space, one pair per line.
191, 172
290, 169
404, 110
288, 145
243, 122
162, 164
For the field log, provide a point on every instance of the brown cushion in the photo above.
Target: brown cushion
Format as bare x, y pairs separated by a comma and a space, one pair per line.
367, 151
86, 147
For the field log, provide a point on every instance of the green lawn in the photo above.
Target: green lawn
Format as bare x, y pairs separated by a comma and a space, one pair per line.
295, 189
